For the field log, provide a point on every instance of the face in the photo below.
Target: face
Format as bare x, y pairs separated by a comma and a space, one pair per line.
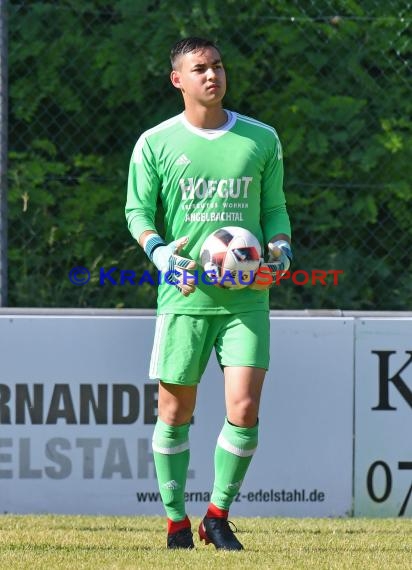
201, 77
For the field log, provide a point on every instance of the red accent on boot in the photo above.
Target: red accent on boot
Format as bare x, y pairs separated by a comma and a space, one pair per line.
175, 526
213, 512
203, 534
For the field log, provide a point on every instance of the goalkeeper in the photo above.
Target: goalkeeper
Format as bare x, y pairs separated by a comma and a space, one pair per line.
209, 167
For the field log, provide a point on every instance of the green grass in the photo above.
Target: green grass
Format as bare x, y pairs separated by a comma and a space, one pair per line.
99, 542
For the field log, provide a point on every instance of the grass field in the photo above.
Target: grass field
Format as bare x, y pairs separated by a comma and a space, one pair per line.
77, 542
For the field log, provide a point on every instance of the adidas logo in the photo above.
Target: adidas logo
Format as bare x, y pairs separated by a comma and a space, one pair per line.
171, 485
182, 160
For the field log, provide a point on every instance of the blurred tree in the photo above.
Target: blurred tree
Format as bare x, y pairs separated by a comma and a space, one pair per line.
88, 77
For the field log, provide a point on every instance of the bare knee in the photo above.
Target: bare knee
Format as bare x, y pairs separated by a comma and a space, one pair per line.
176, 403
175, 416
243, 387
243, 412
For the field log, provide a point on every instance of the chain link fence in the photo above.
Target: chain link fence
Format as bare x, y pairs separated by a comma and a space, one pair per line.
86, 78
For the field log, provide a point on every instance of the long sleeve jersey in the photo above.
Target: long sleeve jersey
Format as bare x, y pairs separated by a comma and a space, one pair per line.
207, 179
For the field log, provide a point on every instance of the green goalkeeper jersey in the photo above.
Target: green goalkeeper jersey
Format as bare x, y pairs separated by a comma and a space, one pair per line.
207, 179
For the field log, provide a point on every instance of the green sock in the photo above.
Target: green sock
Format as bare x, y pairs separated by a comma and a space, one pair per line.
234, 452
171, 457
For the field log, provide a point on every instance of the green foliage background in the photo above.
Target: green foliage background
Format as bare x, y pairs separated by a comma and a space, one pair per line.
87, 77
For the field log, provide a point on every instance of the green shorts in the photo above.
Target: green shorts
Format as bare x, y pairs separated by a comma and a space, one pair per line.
183, 344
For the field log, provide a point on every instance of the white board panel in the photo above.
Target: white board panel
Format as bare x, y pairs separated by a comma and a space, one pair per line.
77, 413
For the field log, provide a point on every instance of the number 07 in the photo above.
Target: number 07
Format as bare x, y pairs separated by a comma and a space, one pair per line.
402, 466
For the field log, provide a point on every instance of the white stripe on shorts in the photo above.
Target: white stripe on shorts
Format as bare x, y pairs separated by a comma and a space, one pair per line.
154, 360
227, 446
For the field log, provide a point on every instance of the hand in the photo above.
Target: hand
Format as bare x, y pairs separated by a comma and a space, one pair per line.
173, 267
279, 258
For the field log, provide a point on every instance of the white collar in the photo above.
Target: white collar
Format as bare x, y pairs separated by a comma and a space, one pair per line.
211, 133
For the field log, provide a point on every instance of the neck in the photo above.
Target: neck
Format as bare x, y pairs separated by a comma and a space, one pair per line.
206, 118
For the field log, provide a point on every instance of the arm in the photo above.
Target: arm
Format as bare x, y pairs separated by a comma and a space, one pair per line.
142, 193
143, 188
275, 221
141, 240
274, 216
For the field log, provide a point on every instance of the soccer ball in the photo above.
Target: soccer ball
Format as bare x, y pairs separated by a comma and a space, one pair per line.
231, 256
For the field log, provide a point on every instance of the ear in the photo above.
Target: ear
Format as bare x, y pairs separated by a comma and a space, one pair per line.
175, 79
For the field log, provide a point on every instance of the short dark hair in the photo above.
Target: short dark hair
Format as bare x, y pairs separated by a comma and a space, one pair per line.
188, 45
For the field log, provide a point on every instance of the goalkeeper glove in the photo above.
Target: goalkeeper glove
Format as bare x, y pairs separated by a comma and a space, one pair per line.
172, 266
278, 262
280, 256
